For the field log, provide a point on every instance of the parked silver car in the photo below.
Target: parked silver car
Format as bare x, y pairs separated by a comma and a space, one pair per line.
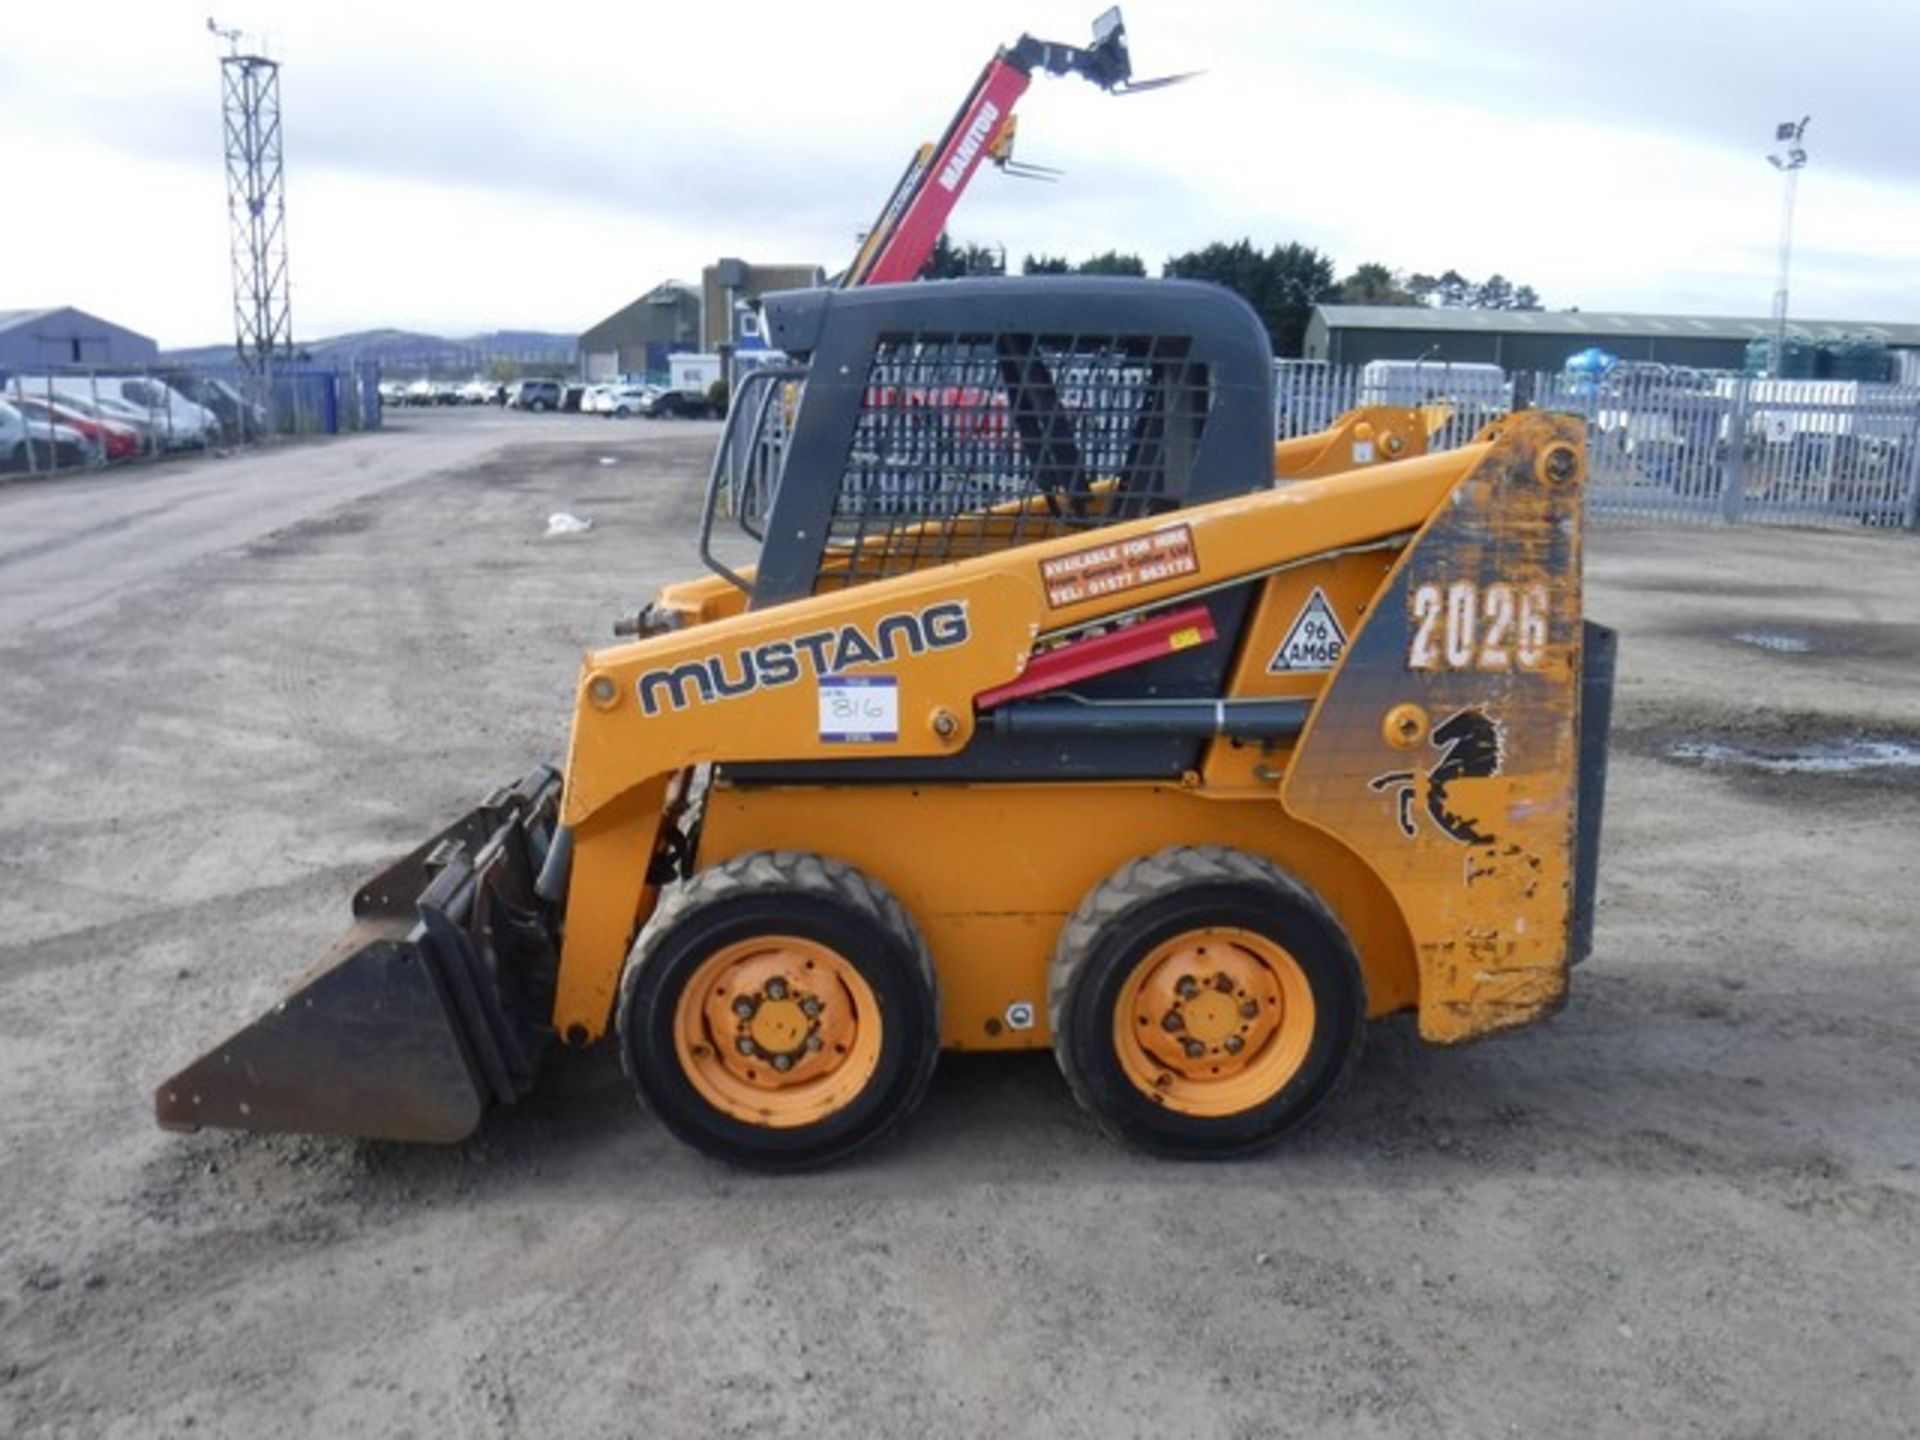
40, 444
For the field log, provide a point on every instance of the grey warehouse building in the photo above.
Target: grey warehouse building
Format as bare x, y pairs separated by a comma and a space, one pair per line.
674, 316
725, 283
637, 338
41, 339
1543, 339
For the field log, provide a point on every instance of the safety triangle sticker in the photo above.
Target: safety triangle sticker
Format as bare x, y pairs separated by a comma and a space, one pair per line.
1314, 641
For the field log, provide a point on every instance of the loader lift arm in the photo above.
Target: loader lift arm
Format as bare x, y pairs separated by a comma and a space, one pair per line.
903, 234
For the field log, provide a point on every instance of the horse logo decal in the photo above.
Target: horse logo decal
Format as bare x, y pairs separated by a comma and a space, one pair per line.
1470, 749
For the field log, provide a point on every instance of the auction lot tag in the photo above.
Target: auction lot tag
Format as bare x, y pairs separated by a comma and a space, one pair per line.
859, 709
1164, 554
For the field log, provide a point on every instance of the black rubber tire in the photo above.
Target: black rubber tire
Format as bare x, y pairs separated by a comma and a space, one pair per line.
795, 893
1150, 901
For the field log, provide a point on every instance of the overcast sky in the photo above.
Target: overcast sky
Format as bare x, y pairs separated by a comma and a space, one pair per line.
460, 167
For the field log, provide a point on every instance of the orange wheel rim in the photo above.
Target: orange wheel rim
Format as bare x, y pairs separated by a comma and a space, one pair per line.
1214, 1022
777, 1031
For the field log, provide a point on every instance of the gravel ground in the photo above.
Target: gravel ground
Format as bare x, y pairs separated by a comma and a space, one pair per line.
1690, 1205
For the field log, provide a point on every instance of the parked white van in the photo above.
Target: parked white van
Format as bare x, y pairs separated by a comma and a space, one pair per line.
1419, 382
180, 423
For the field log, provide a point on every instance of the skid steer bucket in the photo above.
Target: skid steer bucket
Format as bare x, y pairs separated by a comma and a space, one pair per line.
434, 1005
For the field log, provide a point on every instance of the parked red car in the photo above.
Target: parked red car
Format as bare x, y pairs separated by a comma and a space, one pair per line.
116, 441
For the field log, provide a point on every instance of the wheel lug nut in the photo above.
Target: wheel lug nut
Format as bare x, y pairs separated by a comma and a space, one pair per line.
813, 1042
1195, 1049
1249, 1010
743, 1007
744, 1044
1171, 1021
810, 1008
1187, 987
1234, 1044
1222, 983
783, 1062
776, 989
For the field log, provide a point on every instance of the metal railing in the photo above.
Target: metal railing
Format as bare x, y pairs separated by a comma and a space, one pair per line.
65, 418
1309, 395
1676, 446
753, 449
1680, 445
1738, 448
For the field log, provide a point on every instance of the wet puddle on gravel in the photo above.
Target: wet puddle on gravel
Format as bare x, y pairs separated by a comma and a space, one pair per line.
1775, 641
1831, 757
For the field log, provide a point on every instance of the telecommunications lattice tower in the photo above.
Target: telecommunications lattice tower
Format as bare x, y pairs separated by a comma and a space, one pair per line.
256, 204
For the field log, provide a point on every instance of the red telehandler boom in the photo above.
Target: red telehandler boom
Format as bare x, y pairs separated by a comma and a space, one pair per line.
904, 234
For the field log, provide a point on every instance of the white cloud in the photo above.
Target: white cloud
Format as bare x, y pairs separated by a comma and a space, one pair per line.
457, 167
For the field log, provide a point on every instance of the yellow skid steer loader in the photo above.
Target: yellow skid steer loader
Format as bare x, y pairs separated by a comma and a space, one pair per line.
1059, 707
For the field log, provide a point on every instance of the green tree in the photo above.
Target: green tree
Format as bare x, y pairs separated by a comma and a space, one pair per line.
1045, 265
944, 261
1282, 284
1451, 289
948, 261
984, 260
1494, 293
1112, 262
1375, 284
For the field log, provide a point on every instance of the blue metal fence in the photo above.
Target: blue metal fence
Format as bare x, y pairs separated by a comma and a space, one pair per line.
72, 418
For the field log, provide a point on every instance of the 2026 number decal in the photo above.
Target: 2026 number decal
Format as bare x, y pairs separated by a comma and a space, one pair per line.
1465, 626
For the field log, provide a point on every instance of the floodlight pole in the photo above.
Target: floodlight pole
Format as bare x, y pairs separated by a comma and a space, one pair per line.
1790, 158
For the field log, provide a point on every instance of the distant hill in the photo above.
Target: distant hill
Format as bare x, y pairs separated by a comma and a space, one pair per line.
409, 351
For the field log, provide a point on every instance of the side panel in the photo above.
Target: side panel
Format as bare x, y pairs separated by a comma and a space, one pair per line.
1293, 641
1197, 672
990, 873
608, 898
1445, 749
